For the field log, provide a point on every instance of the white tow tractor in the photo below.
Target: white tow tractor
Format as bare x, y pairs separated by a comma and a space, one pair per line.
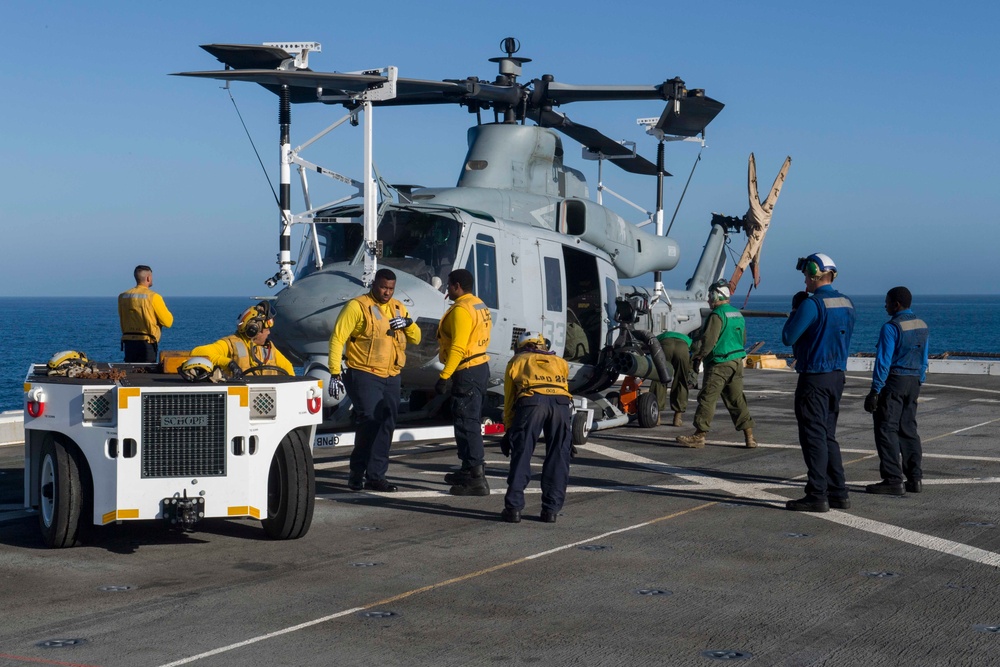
124, 442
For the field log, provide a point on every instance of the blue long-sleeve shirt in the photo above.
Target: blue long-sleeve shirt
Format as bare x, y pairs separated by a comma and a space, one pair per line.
885, 351
819, 331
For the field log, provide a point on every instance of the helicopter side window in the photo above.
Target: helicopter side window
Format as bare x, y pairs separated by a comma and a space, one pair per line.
483, 265
553, 285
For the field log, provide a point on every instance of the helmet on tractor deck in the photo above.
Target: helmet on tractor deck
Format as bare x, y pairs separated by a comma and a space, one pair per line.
196, 369
67, 358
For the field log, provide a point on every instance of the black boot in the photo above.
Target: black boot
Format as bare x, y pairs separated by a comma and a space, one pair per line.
476, 485
459, 476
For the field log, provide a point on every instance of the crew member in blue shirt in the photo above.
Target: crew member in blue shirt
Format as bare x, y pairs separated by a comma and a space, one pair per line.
900, 369
819, 331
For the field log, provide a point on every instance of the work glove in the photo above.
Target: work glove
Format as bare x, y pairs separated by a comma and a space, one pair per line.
696, 365
871, 401
798, 299
336, 388
442, 386
505, 445
234, 369
398, 323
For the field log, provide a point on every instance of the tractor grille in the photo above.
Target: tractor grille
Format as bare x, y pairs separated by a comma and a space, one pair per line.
97, 405
184, 435
263, 404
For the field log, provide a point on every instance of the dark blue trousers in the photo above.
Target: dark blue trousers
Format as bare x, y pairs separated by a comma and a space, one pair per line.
139, 352
376, 403
468, 389
817, 406
531, 415
896, 429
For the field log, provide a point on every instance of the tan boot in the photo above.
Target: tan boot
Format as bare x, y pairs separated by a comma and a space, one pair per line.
677, 419
748, 436
697, 440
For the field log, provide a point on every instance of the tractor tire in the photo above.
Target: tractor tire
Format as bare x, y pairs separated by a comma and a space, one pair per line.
62, 495
580, 430
649, 410
291, 489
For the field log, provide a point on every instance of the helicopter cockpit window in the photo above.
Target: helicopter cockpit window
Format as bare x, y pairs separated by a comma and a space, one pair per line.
483, 265
421, 244
338, 242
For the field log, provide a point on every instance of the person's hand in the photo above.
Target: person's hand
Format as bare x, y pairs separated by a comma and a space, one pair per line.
871, 401
505, 445
442, 386
397, 323
798, 299
696, 365
234, 369
336, 388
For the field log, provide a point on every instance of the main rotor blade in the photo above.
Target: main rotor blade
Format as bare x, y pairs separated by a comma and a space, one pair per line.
565, 93
248, 56
597, 142
306, 83
695, 112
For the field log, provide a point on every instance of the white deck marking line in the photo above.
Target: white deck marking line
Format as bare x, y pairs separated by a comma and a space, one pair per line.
260, 638
844, 450
354, 495
984, 400
757, 492
419, 449
967, 428
431, 587
951, 386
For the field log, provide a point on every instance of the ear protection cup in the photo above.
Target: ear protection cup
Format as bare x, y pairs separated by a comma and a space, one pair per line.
252, 328
254, 319
812, 269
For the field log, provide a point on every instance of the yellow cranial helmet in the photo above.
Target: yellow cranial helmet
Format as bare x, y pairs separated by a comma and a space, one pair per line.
532, 338
255, 319
67, 358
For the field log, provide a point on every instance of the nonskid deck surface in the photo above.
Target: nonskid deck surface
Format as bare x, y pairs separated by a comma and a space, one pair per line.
662, 555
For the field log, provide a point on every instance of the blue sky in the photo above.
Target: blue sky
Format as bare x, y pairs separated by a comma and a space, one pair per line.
888, 109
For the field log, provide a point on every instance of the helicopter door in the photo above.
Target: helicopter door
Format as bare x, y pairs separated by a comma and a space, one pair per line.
584, 306
553, 294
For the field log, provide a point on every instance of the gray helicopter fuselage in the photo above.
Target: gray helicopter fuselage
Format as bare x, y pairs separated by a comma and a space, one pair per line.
544, 258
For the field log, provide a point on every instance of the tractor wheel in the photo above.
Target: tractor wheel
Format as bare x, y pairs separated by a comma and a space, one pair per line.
291, 489
649, 410
580, 430
63, 496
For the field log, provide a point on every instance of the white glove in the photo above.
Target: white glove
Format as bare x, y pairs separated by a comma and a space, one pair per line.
336, 388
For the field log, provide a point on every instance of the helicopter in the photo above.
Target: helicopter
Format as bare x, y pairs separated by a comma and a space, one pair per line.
545, 257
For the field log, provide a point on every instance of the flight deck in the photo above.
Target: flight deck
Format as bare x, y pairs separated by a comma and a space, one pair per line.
662, 555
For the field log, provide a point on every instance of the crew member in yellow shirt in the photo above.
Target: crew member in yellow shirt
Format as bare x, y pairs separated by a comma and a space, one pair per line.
375, 329
536, 397
248, 347
463, 336
142, 313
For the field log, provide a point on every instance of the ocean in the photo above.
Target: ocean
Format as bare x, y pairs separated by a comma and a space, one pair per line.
37, 328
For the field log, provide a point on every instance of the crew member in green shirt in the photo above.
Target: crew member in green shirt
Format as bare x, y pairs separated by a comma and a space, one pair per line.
722, 348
